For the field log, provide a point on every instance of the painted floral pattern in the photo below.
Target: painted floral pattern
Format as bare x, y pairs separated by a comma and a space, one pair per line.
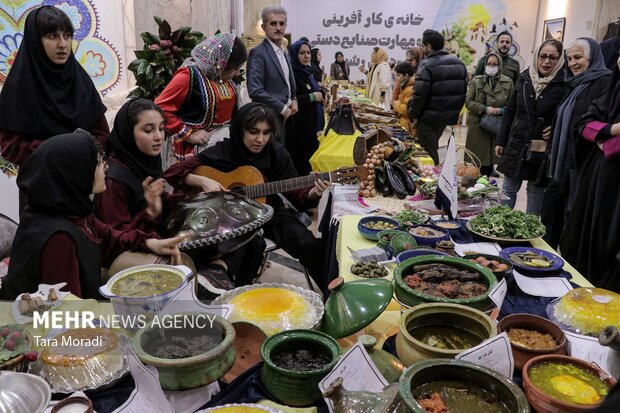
94, 64
9, 44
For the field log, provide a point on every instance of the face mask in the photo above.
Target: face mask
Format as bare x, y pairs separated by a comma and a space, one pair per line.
491, 70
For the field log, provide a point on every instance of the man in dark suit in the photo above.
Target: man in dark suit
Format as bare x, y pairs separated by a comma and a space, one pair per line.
270, 76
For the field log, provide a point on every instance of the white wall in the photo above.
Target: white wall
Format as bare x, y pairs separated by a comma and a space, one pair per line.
579, 16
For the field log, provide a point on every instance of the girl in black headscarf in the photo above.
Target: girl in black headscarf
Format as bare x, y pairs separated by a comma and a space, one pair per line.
135, 145
58, 238
591, 241
315, 64
47, 92
303, 127
251, 143
339, 70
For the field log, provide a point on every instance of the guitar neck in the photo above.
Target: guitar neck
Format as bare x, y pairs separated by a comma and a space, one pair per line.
270, 188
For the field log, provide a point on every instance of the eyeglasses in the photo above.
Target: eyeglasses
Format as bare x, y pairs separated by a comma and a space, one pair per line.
549, 57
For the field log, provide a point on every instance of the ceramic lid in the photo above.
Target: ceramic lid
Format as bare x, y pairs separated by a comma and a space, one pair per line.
353, 305
214, 217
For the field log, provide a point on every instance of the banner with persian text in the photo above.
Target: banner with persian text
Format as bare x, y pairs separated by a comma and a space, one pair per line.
356, 27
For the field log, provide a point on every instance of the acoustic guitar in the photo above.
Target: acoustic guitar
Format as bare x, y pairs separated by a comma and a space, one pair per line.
248, 181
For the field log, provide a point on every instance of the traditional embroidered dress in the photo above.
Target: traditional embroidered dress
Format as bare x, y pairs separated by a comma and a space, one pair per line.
196, 98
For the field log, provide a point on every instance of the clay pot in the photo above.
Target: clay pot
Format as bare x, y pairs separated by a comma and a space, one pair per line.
291, 387
544, 403
410, 350
460, 371
196, 371
532, 322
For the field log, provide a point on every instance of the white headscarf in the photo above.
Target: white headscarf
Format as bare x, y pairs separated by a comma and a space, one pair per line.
540, 83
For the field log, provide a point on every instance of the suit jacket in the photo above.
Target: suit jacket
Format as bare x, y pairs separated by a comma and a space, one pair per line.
266, 81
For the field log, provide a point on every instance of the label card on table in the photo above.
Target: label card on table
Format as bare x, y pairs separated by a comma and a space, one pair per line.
358, 372
185, 301
589, 349
498, 293
542, 287
478, 247
148, 395
494, 353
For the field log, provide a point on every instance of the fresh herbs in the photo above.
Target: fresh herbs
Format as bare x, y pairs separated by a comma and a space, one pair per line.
502, 222
408, 217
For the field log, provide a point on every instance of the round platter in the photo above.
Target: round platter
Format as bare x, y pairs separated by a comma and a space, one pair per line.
500, 239
274, 307
556, 262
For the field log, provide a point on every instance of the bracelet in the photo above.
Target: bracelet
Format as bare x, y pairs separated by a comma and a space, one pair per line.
312, 97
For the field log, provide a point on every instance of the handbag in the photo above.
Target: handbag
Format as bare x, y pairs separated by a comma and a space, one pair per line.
491, 123
535, 150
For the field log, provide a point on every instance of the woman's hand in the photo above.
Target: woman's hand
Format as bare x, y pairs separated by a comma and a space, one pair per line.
204, 183
318, 97
493, 111
200, 137
166, 246
320, 186
499, 151
547, 133
153, 190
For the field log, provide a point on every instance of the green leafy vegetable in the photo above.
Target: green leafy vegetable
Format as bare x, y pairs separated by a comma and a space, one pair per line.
503, 222
13, 342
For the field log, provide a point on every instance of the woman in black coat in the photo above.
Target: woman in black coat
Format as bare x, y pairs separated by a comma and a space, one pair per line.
528, 117
587, 78
303, 128
591, 241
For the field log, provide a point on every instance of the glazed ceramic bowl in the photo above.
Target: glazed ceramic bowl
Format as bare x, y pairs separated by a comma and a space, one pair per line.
450, 225
532, 322
389, 233
125, 304
372, 234
460, 371
498, 274
411, 349
421, 240
545, 403
23, 393
403, 242
410, 297
297, 388
416, 252
195, 371
353, 305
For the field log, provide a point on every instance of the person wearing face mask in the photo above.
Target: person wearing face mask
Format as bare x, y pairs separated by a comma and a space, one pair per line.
510, 66
587, 77
201, 96
487, 95
526, 125
404, 80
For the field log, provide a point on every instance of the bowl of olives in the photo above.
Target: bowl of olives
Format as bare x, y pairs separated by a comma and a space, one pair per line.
369, 227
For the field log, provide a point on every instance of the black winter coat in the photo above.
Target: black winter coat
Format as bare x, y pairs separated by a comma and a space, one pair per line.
439, 90
524, 119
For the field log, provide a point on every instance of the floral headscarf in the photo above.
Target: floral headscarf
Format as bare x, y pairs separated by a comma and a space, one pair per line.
211, 55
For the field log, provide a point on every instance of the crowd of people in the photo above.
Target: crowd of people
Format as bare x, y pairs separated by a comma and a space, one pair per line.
87, 194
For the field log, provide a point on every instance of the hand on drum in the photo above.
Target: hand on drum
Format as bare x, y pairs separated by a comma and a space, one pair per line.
166, 246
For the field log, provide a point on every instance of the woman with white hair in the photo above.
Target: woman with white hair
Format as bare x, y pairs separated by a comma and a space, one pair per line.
587, 77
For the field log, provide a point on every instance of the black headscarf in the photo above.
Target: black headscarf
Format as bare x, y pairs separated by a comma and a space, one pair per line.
307, 71
43, 98
274, 161
58, 177
343, 65
315, 64
122, 146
